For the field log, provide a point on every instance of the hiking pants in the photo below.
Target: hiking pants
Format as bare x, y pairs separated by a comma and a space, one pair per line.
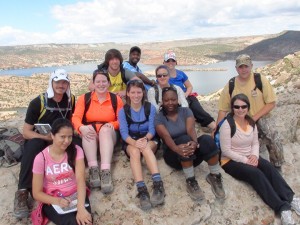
269, 136
206, 151
265, 180
200, 114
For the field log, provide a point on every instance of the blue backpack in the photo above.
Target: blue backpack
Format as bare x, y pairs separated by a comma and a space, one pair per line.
231, 122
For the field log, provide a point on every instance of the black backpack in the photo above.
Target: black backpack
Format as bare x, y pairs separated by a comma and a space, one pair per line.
157, 92
257, 80
129, 119
87, 103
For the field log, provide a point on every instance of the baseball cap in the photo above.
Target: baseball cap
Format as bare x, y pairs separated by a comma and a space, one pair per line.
135, 49
57, 75
243, 60
169, 55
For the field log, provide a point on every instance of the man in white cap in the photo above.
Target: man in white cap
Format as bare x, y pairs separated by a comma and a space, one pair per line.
262, 100
56, 103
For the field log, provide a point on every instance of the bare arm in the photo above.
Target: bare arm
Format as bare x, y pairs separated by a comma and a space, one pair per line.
190, 128
189, 88
145, 79
28, 133
265, 110
165, 135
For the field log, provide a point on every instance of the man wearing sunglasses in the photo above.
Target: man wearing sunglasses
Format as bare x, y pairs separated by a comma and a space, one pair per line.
131, 64
262, 101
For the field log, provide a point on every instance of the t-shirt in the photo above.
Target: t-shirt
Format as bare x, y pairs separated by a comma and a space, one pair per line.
176, 128
34, 110
257, 102
117, 83
179, 80
151, 97
139, 116
127, 65
242, 144
97, 112
57, 175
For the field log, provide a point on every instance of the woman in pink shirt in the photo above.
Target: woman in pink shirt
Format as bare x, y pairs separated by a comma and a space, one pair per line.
240, 159
58, 174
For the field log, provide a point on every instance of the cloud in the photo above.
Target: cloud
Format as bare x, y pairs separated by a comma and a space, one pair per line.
143, 20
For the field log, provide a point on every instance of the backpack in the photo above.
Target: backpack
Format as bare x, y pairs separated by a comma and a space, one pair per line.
44, 105
127, 112
87, 103
257, 80
157, 92
11, 146
231, 122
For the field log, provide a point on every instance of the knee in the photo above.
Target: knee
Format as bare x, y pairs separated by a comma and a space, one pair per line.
134, 153
106, 132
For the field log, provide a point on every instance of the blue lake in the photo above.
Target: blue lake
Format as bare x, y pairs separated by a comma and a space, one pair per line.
204, 82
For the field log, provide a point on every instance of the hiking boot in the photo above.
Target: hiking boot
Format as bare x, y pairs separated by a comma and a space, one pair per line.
158, 194
215, 180
21, 209
193, 189
286, 218
144, 197
295, 204
106, 183
94, 177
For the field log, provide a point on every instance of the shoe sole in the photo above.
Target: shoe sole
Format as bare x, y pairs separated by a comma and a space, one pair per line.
156, 203
107, 189
198, 199
218, 197
147, 207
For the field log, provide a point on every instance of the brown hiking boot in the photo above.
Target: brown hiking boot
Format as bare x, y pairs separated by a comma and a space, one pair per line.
158, 194
94, 177
144, 197
215, 180
106, 182
193, 189
21, 209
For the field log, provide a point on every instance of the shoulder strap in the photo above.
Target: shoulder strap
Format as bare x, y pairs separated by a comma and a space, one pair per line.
122, 70
147, 110
258, 82
231, 85
156, 93
114, 102
72, 101
231, 124
127, 114
87, 102
44, 100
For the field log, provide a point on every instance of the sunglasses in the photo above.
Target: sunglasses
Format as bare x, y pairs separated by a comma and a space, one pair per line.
162, 75
240, 106
171, 88
135, 81
170, 60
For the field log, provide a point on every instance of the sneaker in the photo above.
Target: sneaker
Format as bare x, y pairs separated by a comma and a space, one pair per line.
158, 194
295, 204
94, 177
215, 180
21, 209
286, 218
193, 189
106, 183
144, 197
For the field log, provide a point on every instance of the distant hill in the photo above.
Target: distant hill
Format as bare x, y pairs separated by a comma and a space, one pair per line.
274, 48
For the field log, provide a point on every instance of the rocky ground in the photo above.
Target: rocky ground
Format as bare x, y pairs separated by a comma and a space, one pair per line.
242, 205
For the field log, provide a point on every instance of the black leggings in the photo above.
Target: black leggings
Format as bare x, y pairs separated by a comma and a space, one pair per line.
62, 219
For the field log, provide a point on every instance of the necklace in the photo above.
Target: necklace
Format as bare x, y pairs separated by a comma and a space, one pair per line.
63, 116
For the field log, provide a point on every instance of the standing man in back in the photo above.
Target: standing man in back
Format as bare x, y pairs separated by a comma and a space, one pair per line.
56, 102
262, 100
131, 64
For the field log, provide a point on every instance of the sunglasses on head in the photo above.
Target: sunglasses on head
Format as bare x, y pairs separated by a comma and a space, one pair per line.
162, 75
135, 81
240, 106
168, 89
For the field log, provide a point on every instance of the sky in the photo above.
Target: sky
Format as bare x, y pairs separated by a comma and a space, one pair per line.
139, 21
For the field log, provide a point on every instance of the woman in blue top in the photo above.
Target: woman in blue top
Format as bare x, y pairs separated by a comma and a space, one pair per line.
136, 121
179, 78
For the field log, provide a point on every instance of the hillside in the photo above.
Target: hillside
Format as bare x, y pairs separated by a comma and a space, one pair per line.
269, 49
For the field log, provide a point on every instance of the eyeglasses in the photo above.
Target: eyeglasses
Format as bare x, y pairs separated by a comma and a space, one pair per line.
171, 88
162, 75
240, 106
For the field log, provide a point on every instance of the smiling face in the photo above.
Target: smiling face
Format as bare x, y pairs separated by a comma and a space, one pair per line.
63, 138
101, 84
170, 101
162, 77
240, 108
170, 63
134, 57
135, 95
114, 64
244, 71
60, 87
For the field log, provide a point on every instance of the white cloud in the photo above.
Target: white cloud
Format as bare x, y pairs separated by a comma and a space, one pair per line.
144, 20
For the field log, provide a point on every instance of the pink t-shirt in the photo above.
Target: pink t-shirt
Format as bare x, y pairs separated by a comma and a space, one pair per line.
59, 176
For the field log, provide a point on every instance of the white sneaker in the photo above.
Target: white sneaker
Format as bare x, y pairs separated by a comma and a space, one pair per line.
295, 204
286, 218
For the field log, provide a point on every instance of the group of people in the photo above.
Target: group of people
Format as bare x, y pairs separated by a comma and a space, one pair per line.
147, 114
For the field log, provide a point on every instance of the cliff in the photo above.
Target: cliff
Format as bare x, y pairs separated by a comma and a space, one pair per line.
242, 205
